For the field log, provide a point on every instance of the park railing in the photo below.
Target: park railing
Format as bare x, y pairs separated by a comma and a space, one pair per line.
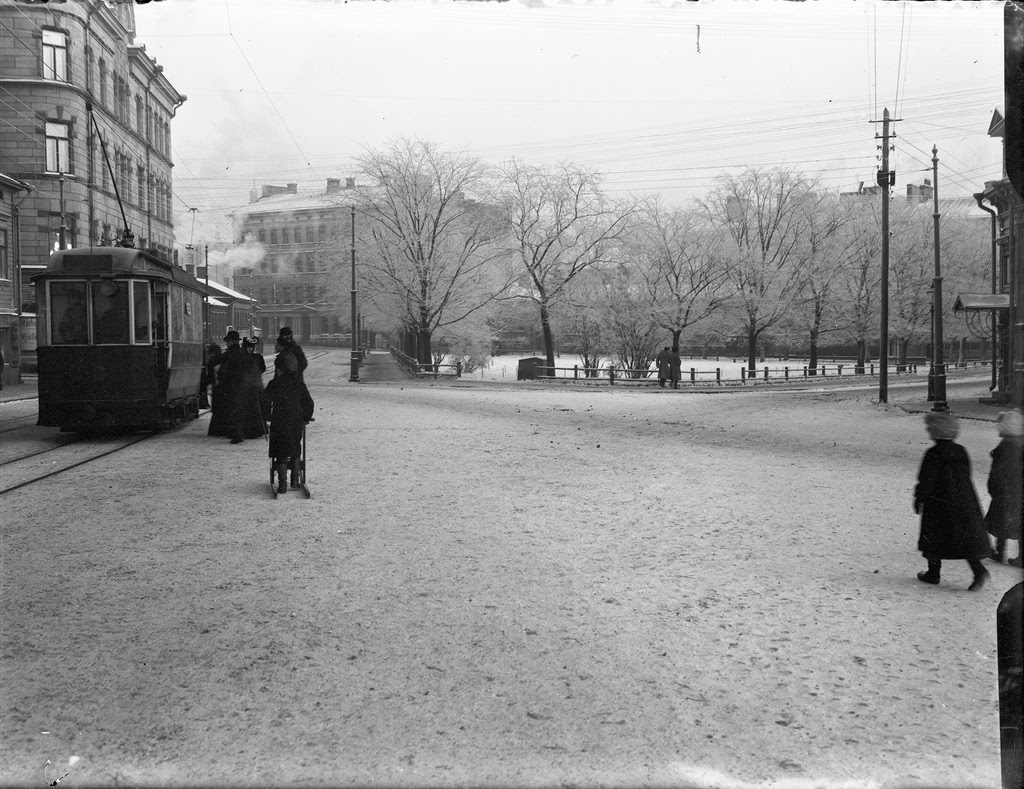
613, 375
426, 370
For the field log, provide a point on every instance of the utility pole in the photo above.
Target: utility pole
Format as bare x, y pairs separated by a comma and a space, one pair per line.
885, 180
940, 369
354, 358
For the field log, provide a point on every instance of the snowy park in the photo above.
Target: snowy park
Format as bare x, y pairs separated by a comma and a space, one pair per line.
504, 585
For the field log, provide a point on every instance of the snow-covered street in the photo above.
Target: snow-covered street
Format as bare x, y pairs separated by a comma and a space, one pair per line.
503, 585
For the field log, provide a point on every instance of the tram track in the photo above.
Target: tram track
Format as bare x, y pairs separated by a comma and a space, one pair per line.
28, 469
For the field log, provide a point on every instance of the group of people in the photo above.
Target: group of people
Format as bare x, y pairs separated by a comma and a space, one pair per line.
243, 407
952, 523
670, 366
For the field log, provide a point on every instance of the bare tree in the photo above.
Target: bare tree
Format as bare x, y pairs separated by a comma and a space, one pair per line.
580, 320
759, 215
858, 282
822, 254
559, 223
678, 262
432, 257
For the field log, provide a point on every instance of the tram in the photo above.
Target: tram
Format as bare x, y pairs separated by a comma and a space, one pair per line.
119, 340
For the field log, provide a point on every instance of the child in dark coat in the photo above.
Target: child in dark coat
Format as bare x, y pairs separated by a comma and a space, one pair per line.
289, 405
951, 522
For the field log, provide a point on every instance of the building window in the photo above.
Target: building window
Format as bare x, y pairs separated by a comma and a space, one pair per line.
141, 174
284, 235
263, 236
322, 233
103, 82
309, 235
139, 115
273, 236
55, 55
57, 148
5, 263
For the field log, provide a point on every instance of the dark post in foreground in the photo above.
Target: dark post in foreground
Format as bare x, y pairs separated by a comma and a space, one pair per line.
1010, 645
939, 403
354, 357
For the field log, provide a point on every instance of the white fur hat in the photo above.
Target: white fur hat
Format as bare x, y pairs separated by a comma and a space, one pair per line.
941, 425
1010, 423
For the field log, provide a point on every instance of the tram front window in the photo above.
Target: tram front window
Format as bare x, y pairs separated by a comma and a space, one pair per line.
70, 323
110, 313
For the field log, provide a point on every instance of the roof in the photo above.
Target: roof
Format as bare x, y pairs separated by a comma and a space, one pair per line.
232, 295
966, 302
290, 202
215, 302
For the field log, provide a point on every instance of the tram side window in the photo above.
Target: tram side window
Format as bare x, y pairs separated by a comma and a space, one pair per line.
143, 321
110, 313
67, 308
160, 312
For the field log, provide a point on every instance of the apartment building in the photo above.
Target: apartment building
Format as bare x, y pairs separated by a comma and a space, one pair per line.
85, 119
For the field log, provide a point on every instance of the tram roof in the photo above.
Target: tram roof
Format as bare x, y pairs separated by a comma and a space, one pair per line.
115, 261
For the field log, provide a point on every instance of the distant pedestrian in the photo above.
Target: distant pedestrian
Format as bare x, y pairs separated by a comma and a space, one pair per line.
286, 342
288, 405
951, 522
664, 370
675, 366
1005, 481
211, 358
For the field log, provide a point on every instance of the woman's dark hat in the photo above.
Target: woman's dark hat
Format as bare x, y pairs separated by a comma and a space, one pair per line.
231, 335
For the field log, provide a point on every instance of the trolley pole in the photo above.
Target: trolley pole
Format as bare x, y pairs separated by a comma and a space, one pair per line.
354, 358
206, 301
884, 179
940, 368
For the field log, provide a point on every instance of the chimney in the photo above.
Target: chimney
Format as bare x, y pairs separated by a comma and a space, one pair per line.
350, 183
253, 195
292, 188
333, 185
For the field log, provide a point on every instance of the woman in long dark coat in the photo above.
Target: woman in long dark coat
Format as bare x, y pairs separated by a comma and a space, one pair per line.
1005, 479
253, 421
951, 522
289, 406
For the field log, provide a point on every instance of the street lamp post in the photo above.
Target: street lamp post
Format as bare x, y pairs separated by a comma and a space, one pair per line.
354, 357
931, 329
939, 404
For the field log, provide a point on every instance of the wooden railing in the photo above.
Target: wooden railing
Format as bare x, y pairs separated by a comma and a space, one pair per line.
426, 370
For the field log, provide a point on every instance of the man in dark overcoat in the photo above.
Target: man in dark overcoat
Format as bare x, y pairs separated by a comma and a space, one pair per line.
951, 522
663, 365
232, 375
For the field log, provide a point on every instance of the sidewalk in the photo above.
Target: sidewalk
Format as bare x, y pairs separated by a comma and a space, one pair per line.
26, 390
964, 398
381, 366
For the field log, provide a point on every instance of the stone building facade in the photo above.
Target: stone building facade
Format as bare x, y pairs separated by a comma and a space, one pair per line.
58, 61
290, 243
12, 194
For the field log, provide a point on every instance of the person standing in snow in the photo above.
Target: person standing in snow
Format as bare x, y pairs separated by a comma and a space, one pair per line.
288, 405
675, 365
951, 521
663, 366
286, 343
1005, 480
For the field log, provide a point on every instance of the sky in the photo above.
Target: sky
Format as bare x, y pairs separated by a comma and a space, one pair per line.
658, 97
